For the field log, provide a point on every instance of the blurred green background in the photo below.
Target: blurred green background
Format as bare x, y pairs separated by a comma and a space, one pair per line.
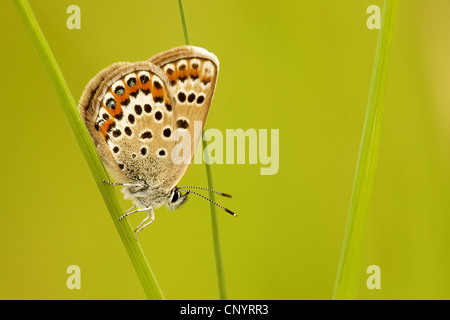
302, 67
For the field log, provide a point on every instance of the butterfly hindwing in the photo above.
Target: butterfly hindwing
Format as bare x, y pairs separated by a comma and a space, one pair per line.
128, 110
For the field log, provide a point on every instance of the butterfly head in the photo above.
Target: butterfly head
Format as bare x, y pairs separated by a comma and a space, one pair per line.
176, 199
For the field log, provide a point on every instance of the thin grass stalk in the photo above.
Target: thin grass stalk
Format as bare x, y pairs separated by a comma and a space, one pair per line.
351, 257
87, 147
214, 222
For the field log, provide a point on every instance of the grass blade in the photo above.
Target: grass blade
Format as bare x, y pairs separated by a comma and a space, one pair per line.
214, 222
215, 231
183, 22
350, 263
83, 138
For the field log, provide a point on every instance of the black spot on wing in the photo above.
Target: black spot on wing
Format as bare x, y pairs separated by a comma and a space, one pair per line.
181, 97
183, 124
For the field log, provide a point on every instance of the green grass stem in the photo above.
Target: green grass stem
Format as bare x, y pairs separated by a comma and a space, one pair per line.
215, 231
351, 257
214, 222
87, 147
183, 22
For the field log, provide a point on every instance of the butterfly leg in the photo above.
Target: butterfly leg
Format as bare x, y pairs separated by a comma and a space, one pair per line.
121, 184
128, 212
143, 224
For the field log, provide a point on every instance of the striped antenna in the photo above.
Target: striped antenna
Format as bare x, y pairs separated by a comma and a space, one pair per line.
194, 187
221, 207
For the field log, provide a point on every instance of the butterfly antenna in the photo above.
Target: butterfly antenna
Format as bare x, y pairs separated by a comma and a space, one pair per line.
221, 207
202, 188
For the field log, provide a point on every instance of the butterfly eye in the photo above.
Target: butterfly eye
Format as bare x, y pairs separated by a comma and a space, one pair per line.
175, 196
175, 199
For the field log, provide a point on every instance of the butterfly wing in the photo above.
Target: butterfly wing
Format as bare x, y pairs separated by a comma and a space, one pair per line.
128, 109
192, 74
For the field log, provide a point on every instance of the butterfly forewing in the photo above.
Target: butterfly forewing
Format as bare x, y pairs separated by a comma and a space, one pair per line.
192, 75
131, 122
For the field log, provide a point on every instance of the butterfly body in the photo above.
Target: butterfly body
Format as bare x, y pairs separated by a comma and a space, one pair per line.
136, 113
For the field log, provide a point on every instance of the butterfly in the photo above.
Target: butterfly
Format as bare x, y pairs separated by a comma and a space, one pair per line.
146, 119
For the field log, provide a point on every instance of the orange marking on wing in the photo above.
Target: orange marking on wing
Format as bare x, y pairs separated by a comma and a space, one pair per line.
129, 89
158, 92
146, 86
123, 97
171, 75
116, 110
172, 78
206, 79
138, 85
194, 70
104, 128
207, 75
182, 71
194, 73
